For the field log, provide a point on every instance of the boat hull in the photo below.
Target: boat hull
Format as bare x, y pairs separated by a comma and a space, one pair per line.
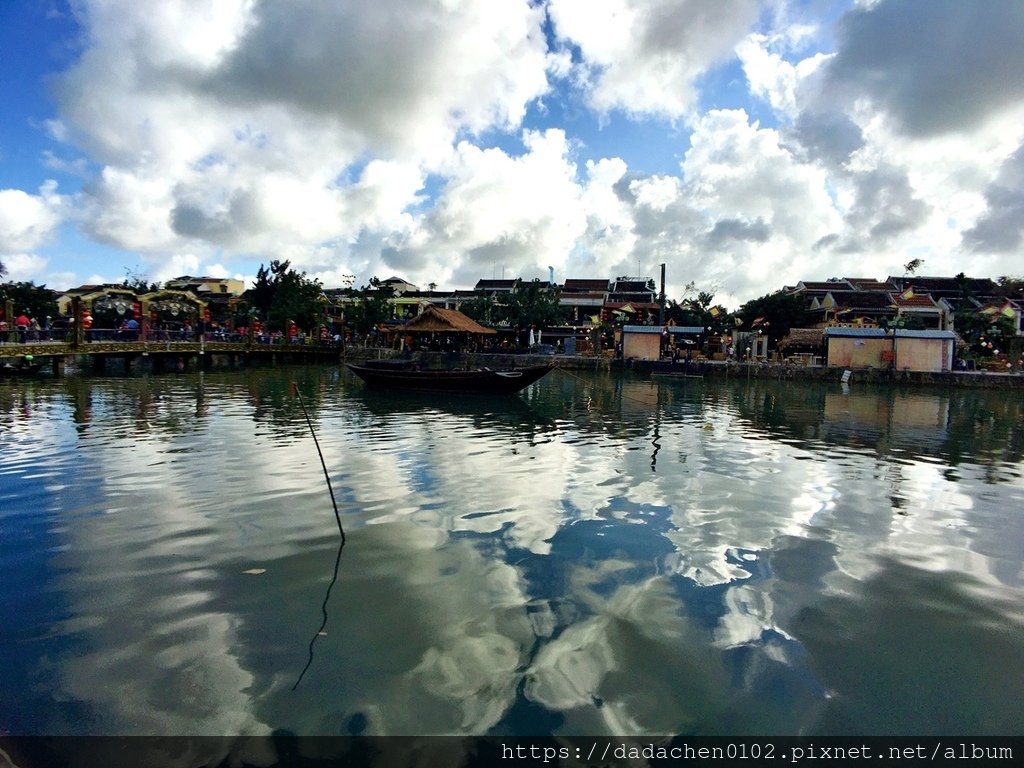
11, 371
480, 380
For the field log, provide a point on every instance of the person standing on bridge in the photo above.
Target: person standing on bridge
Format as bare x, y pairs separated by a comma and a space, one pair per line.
22, 322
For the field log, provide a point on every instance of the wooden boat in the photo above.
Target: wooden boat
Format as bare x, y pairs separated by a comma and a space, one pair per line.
476, 380
30, 369
676, 375
678, 370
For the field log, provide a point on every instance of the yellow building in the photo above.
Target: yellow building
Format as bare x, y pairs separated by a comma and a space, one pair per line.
641, 342
901, 350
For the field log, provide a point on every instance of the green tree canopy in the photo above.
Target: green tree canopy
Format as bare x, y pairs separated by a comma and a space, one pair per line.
480, 308
370, 307
282, 295
781, 312
136, 282
532, 303
697, 308
36, 301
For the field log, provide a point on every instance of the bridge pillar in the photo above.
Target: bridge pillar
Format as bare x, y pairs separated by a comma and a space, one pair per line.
12, 329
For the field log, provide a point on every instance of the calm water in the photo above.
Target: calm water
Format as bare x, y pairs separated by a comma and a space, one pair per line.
593, 556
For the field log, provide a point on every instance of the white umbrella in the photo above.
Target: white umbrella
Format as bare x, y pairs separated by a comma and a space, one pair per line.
531, 343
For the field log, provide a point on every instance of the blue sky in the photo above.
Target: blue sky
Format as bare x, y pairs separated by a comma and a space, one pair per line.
745, 144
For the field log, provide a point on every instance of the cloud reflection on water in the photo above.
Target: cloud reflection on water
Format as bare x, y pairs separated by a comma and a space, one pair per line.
621, 556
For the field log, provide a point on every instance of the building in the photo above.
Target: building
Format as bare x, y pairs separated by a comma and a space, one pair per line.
633, 299
898, 349
857, 348
583, 300
205, 287
641, 342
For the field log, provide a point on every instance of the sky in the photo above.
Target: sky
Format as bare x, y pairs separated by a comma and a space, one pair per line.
745, 145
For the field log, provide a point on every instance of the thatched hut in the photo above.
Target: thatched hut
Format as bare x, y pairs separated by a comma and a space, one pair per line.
442, 328
805, 344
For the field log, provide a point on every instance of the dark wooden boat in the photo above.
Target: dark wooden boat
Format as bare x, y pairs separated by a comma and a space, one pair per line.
30, 369
676, 375
476, 380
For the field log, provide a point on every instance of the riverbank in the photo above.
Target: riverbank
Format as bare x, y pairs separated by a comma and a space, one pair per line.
789, 372
181, 357
715, 369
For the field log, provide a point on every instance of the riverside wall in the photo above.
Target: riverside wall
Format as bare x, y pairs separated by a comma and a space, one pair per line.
714, 369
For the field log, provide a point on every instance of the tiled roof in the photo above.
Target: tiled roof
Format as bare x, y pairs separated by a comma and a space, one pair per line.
857, 332
821, 287
586, 285
862, 300
917, 301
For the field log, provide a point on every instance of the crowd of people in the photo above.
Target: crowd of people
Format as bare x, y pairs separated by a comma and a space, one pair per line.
28, 328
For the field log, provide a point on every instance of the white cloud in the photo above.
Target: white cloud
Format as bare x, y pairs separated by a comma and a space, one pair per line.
771, 76
497, 211
23, 267
238, 126
643, 56
371, 138
27, 221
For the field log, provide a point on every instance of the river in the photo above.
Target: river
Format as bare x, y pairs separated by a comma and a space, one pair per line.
599, 554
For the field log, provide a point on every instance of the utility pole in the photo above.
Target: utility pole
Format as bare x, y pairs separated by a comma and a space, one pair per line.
661, 298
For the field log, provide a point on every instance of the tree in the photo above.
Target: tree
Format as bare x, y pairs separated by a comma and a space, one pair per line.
532, 303
36, 301
371, 306
136, 282
698, 311
985, 334
1011, 287
283, 296
261, 295
781, 312
480, 308
297, 299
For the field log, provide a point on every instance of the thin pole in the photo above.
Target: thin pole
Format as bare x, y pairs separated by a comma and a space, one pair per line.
295, 389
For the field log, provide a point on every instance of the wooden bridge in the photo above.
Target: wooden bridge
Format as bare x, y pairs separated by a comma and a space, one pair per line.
160, 355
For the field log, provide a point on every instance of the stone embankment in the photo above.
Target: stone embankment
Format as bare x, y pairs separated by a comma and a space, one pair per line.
717, 369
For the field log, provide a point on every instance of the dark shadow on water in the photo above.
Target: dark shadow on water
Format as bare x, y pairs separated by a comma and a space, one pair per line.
916, 652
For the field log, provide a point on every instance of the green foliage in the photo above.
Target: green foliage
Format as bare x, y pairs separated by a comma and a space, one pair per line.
371, 306
261, 295
36, 301
480, 308
1011, 287
912, 322
532, 303
781, 312
983, 334
912, 266
690, 311
282, 296
135, 281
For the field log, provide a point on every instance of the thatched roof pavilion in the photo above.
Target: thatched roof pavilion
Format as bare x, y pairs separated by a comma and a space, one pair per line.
803, 338
436, 320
